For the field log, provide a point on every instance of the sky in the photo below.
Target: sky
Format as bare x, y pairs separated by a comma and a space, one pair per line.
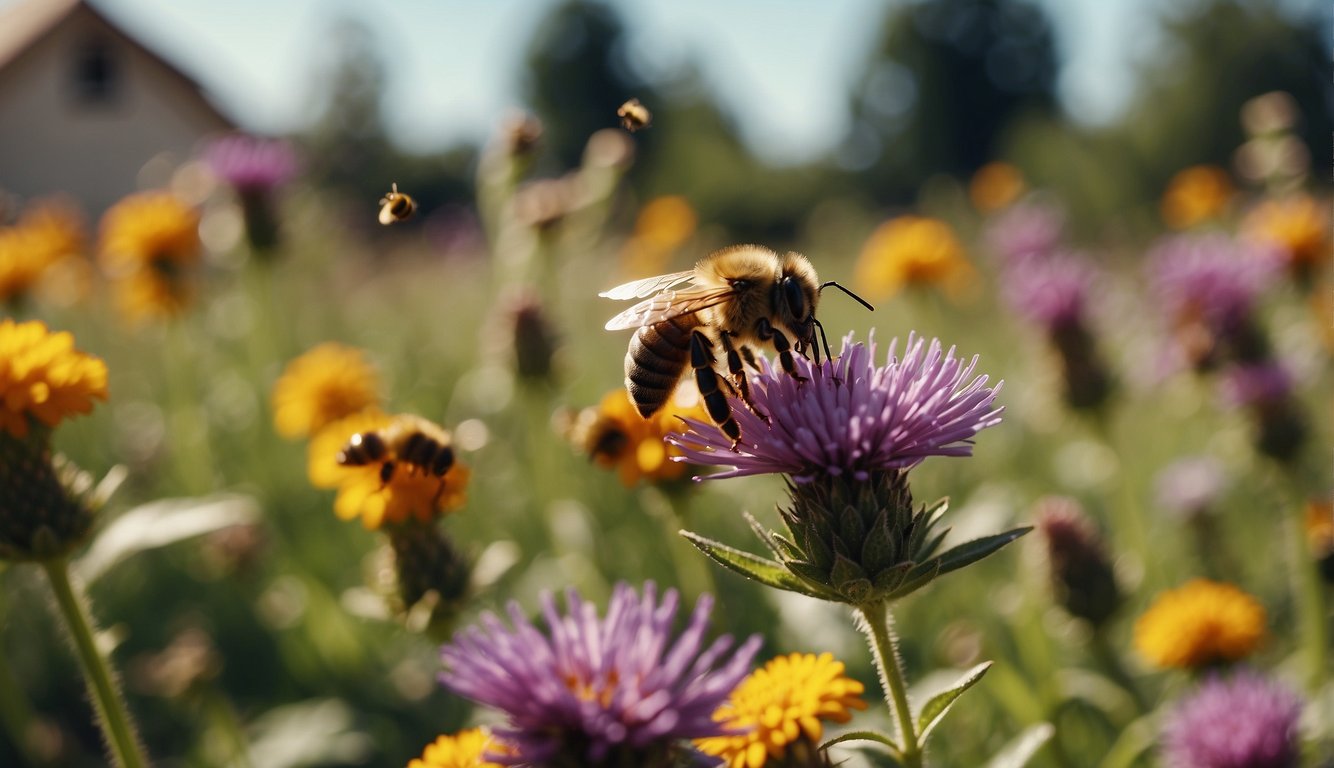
456, 65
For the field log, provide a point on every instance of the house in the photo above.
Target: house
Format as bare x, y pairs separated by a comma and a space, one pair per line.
83, 105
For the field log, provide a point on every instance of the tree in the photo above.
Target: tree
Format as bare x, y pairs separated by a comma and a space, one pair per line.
941, 87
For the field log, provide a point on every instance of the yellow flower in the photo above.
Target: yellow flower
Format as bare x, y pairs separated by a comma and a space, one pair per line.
781, 704
43, 377
464, 749
664, 224
1197, 194
1297, 224
1201, 622
410, 493
150, 249
994, 186
910, 250
21, 265
328, 383
615, 436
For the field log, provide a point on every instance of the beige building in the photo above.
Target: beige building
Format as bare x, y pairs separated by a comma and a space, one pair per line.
83, 106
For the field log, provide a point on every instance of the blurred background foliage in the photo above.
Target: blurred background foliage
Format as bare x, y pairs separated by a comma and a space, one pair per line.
296, 667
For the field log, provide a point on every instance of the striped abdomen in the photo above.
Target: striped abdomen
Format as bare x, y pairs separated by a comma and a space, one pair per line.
658, 355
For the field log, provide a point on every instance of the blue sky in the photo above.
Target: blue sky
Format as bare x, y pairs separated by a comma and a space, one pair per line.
456, 64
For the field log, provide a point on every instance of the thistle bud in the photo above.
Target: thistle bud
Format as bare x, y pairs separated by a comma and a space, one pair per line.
41, 516
1081, 573
535, 340
425, 561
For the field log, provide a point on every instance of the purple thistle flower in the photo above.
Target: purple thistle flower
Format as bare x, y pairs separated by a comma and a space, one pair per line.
1211, 277
1048, 289
1247, 721
252, 164
1027, 229
1191, 485
1254, 385
850, 416
591, 690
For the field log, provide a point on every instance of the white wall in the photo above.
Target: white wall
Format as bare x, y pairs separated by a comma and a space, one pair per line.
50, 142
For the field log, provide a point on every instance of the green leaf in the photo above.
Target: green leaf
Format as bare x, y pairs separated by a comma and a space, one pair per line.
918, 577
160, 523
935, 709
878, 550
971, 552
874, 736
1135, 739
1021, 748
761, 569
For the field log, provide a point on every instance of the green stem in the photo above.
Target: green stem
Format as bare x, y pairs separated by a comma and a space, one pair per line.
188, 420
1110, 662
1309, 592
885, 648
112, 715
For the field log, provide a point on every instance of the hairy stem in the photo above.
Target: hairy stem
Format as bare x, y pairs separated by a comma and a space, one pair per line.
112, 715
879, 627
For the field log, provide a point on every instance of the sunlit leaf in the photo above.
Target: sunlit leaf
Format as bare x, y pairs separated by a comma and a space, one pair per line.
768, 572
160, 523
935, 709
1021, 748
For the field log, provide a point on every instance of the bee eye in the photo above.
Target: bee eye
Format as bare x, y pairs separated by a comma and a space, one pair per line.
796, 300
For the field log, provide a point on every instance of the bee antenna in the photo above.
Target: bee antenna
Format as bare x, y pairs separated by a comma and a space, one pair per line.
859, 299
824, 339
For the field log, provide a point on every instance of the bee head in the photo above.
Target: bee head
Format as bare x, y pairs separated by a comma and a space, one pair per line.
795, 297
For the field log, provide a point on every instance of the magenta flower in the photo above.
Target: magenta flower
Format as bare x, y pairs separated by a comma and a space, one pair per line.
848, 416
1247, 721
1254, 385
597, 691
1189, 486
1210, 277
252, 164
1048, 289
1027, 229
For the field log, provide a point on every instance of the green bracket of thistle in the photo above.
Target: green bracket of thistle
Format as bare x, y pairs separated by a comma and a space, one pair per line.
854, 543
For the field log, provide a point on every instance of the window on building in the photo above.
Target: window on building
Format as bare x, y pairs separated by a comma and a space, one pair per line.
96, 73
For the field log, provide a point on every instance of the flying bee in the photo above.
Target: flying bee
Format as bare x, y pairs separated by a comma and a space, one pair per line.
634, 115
409, 441
738, 296
396, 206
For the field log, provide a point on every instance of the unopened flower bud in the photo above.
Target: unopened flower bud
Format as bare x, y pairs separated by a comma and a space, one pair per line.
425, 561
1081, 571
41, 518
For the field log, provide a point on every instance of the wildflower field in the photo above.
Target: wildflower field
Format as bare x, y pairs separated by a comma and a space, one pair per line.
284, 485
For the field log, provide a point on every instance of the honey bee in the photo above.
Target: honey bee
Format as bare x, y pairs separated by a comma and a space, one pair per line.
634, 115
411, 441
396, 206
742, 295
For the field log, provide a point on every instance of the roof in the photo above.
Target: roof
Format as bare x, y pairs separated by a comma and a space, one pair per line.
27, 22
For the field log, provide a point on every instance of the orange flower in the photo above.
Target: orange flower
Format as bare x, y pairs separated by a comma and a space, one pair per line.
1297, 224
995, 186
1196, 194
615, 436
43, 377
150, 250
910, 250
1202, 622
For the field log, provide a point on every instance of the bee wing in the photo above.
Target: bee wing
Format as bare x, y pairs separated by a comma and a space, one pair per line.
667, 305
638, 289
386, 214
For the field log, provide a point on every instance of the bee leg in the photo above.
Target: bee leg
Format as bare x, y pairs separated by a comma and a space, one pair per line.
749, 355
784, 348
706, 378
386, 473
738, 372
